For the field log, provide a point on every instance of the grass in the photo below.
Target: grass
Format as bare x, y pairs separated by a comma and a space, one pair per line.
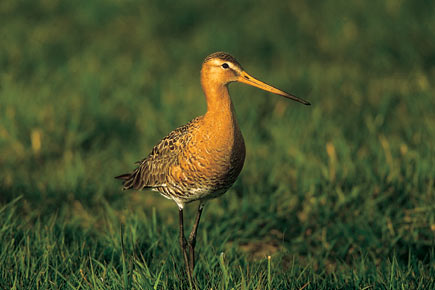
339, 195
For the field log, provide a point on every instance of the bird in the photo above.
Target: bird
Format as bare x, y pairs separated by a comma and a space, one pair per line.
201, 160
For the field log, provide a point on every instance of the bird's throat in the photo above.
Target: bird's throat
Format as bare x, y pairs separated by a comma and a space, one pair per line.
220, 109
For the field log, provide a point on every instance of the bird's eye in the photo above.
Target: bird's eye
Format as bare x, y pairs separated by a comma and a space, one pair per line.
225, 65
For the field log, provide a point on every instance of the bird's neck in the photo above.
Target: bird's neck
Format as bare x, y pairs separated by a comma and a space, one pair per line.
219, 104
216, 93
220, 123
220, 115
218, 100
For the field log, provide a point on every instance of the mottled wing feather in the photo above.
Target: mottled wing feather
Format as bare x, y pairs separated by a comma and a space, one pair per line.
153, 170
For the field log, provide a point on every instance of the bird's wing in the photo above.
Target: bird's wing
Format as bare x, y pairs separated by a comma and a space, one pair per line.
153, 170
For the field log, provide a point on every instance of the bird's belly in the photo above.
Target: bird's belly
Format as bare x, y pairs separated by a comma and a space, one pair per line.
208, 171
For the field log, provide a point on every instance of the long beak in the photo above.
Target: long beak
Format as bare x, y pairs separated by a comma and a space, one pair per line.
247, 79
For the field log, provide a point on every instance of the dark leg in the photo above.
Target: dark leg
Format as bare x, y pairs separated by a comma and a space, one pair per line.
192, 238
183, 244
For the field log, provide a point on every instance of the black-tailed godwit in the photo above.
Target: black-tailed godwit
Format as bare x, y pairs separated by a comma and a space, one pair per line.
202, 159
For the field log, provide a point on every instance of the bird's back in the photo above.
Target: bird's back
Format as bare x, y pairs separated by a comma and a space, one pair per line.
153, 170
189, 164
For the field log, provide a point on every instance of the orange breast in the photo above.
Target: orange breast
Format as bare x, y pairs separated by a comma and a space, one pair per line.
213, 158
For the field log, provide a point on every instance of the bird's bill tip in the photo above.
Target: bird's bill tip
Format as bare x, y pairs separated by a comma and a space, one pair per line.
249, 80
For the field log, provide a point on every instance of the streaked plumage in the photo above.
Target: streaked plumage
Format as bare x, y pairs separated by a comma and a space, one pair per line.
185, 166
203, 158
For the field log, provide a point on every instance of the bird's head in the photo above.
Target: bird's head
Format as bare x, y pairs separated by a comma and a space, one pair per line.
222, 68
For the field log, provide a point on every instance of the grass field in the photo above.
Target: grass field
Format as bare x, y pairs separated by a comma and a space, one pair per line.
340, 195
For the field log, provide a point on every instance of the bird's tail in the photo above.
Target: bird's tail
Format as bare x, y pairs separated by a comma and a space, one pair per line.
132, 180
123, 176
125, 179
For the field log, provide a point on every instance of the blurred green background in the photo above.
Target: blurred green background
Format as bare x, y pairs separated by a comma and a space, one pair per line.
88, 87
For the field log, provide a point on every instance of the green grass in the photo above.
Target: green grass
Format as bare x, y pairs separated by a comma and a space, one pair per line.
340, 195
